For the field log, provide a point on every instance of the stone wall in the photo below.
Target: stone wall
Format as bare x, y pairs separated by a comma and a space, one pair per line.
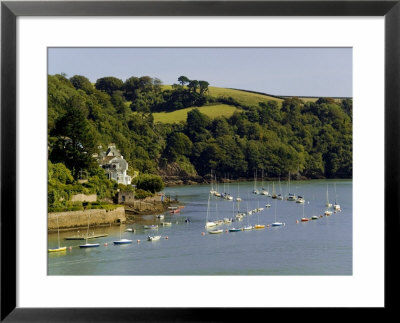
84, 198
75, 219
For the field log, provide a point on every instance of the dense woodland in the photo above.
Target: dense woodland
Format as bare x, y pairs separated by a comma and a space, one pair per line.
312, 139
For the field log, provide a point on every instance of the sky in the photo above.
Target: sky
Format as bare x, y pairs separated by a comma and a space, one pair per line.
320, 72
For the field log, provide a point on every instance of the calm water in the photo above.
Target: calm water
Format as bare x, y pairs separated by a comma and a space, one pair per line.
319, 247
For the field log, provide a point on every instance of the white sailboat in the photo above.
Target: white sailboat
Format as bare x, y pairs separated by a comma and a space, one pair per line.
327, 198
88, 245
121, 241
276, 223
238, 198
336, 206
58, 237
209, 224
280, 196
263, 190
255, 191
291, 197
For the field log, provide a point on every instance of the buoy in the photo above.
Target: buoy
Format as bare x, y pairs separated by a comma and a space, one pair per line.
138, 240
267, 225
203, 233
297, 221
106, 244
166, 238
69, 248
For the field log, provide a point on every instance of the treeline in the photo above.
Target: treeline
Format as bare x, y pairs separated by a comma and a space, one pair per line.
312, 138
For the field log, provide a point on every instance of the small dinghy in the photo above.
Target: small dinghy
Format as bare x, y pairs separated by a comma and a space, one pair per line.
234, 230
153, 238
89, 245
215, 231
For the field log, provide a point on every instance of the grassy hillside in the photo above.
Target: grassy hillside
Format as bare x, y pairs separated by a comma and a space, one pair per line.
243, 97
212, 111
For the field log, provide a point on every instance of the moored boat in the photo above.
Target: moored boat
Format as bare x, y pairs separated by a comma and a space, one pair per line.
122, 241
234, 230
153, 226
259, 226
216, 231
153, 238
89, 245
58, 249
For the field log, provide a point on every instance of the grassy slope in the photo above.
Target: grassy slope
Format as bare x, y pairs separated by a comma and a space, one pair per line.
216, 110
246, 98
212, 111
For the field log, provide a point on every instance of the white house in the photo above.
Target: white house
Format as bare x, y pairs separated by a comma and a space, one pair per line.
115, 165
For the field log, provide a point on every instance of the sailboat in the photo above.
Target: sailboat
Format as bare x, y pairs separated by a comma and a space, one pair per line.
88, 245
274, 196
259, 226
291, 197
209, 224
327, 198
238, 197
122, 241
336, 206
279, 196
304, 219
255, 191
233, 213
276, 223
263, 190
248, 227
58, 236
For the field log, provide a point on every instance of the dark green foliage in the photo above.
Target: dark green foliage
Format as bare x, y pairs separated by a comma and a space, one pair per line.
82, 83
313, 139
148, 182
109, 84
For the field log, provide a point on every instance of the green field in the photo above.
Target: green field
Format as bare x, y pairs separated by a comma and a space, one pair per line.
212, 111
243, 97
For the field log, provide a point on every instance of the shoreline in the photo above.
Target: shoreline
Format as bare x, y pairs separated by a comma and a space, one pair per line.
171, 181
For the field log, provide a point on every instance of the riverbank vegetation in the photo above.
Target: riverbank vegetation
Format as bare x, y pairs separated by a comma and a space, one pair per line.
188, 129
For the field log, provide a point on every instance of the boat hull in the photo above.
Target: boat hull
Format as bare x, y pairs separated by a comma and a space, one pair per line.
215, 231
89, 245
234, 230
122, 242
58, 249
259, 226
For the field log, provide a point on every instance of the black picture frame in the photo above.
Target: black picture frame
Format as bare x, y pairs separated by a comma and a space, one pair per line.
10, 10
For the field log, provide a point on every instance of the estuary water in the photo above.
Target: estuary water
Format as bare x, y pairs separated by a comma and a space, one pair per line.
316, 247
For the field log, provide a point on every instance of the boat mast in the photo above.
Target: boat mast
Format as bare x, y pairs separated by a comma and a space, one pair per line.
58, 233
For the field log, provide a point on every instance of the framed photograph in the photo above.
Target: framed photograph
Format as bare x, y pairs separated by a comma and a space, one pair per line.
176, 160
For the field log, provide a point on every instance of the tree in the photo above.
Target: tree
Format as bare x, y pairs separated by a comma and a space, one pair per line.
82, 83
203, 86
75, 141
109, 84
151, 183
178, 144
183, 80
193, 85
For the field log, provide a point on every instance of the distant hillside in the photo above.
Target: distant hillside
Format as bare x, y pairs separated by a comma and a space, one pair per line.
212, 111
